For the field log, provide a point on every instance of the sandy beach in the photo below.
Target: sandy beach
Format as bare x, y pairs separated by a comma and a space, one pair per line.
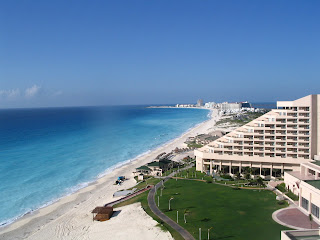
71, 218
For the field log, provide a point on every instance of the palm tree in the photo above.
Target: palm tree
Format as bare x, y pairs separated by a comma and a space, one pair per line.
260, 182
186, 212
238, 176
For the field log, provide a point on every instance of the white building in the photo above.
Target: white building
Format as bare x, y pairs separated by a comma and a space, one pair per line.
225, 106
279, 140
306, 184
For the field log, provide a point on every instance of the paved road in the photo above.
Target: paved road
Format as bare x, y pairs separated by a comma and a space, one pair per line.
152, 204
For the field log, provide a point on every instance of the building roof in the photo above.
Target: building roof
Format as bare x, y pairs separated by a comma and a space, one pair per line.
102, 210
154, 164
314, 183
161, 163
143, 168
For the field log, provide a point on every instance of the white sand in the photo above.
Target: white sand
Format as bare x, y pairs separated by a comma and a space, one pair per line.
71, 218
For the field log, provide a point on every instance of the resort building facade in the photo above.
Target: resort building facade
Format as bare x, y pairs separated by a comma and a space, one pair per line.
279, 140
306, 184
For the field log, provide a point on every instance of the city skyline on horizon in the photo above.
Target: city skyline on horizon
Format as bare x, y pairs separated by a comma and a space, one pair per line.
110, 53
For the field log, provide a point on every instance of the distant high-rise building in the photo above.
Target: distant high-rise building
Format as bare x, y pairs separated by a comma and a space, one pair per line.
246, 105
199, 103
230, 106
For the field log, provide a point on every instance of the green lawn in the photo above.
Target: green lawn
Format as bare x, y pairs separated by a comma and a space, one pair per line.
233, 214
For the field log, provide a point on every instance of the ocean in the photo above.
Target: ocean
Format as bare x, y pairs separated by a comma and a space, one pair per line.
47, 153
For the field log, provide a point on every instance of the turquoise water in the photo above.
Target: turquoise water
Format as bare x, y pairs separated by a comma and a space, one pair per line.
46, 154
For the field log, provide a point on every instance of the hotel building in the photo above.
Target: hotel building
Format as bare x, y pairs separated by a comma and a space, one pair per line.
279, 140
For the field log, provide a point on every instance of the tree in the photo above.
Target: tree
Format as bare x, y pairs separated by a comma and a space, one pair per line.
186, 212
260, 182
238, 176
247, 176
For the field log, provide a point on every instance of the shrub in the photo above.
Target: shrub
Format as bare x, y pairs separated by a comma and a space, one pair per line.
292, 196
226, 176
281, 202
281, 187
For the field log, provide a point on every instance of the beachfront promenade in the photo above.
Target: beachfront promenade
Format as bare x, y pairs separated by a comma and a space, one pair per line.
152, 204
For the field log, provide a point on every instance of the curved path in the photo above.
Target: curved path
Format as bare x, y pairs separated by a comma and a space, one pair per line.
152, 204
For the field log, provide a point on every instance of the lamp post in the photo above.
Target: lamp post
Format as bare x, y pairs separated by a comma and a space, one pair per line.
209, 233
177, 217
169, 203
199, 233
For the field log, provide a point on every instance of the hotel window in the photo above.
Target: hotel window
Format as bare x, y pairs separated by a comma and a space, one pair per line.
315, 210
305, 204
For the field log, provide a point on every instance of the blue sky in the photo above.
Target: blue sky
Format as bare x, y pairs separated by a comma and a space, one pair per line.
65, 53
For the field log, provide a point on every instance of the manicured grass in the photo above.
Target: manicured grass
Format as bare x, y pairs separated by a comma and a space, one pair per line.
234, 214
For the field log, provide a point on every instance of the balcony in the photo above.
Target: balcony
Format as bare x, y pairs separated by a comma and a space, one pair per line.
305, 139
270, 126
269, 144
259, 149
306, 133
248, 154
280, 132
291, 115
292, 120
304, 115
303, 120
238, 148
280, 121
269, 154
305, 109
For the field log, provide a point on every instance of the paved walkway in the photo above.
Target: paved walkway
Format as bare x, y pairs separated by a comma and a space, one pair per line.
152, 204
292, 217
110, 204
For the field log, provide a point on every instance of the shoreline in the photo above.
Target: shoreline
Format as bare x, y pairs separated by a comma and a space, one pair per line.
82, 185
79, 203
